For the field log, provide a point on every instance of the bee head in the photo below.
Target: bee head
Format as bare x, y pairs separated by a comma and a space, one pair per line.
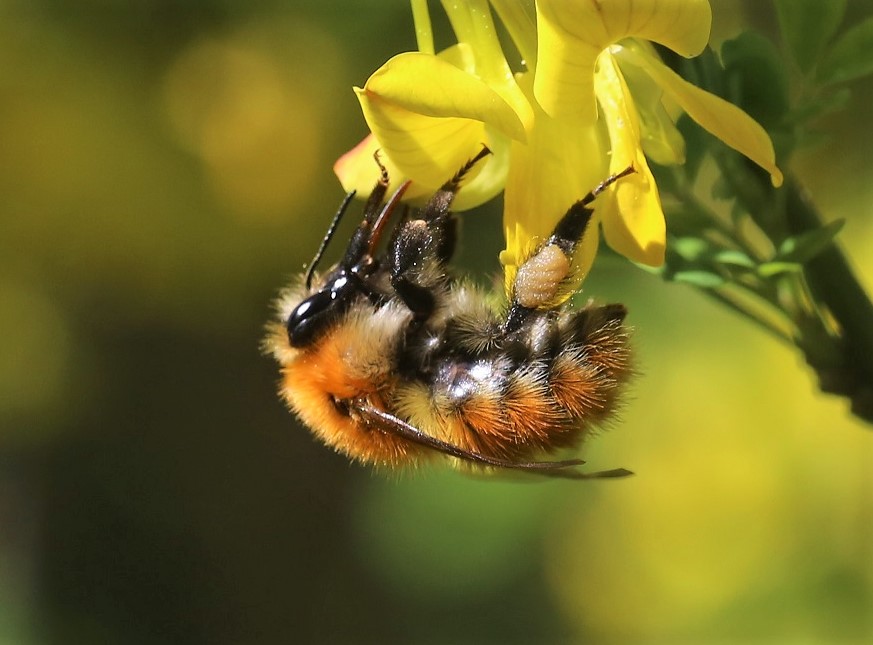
316, 313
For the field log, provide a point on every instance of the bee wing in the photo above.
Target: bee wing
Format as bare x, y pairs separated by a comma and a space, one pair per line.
387, 422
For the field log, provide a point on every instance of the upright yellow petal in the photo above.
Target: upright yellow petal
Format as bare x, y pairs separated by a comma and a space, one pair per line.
562, 160
572, 34
630, 211
474, 26
662, 142
357, 170
724, 120
430, 129
431, 86
428, 150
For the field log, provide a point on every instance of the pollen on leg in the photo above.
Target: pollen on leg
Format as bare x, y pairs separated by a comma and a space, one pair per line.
539, 278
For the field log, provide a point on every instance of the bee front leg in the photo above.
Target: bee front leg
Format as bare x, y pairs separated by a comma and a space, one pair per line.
418, 263
422, 247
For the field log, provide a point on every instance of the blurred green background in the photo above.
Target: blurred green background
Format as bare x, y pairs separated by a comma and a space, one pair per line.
164, 167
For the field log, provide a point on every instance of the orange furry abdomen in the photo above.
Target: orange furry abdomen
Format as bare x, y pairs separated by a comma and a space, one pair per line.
316, 382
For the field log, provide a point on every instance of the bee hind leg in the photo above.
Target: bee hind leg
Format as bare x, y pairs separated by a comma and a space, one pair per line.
383, 421
543, 278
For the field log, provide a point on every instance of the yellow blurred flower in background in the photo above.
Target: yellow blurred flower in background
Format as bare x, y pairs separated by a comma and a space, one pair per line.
556, 129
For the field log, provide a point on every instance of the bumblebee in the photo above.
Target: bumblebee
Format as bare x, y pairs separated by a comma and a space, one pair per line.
389, 358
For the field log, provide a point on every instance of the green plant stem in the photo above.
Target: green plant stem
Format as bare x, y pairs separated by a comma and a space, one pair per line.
747, 312
834, 285
729, 231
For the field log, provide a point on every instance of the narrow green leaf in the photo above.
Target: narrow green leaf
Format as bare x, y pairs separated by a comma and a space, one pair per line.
803, 247
755, 74
695, 145
812, 108
734, 258
851, 56
770, 269
807, 25
690, 248
722, 189
699, 278
653, 270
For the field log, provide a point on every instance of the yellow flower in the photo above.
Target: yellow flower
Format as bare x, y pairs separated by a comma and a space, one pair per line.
556, 129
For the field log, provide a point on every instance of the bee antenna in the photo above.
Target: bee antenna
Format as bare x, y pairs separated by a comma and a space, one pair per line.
327, 237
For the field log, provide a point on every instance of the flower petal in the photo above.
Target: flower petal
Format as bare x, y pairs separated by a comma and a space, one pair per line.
431, 86
661, 140
630, 211
632, 217
572, 34
722, 119
427, 150
357, 170
430, 129
561, 162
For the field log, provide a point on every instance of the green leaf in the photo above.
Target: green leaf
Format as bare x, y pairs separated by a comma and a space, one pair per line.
756, 78
770, 269
734, 258
807, 25
696, 141
690, 248
801, 248
699, 278
722, 189
814, 107
851, 56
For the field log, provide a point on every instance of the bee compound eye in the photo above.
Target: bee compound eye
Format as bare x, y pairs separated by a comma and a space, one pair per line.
310, 318
314, 315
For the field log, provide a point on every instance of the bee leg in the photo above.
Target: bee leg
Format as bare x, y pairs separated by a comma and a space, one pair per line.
541, 277
383, 421
415, 264
423, 245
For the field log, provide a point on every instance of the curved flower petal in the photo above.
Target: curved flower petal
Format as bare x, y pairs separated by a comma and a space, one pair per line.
572, 34
630, 212
481, 53
358, 171
430, 129
427, 150
489, 178
561, 162
447, 92
661, 140
633, 220
722, 119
